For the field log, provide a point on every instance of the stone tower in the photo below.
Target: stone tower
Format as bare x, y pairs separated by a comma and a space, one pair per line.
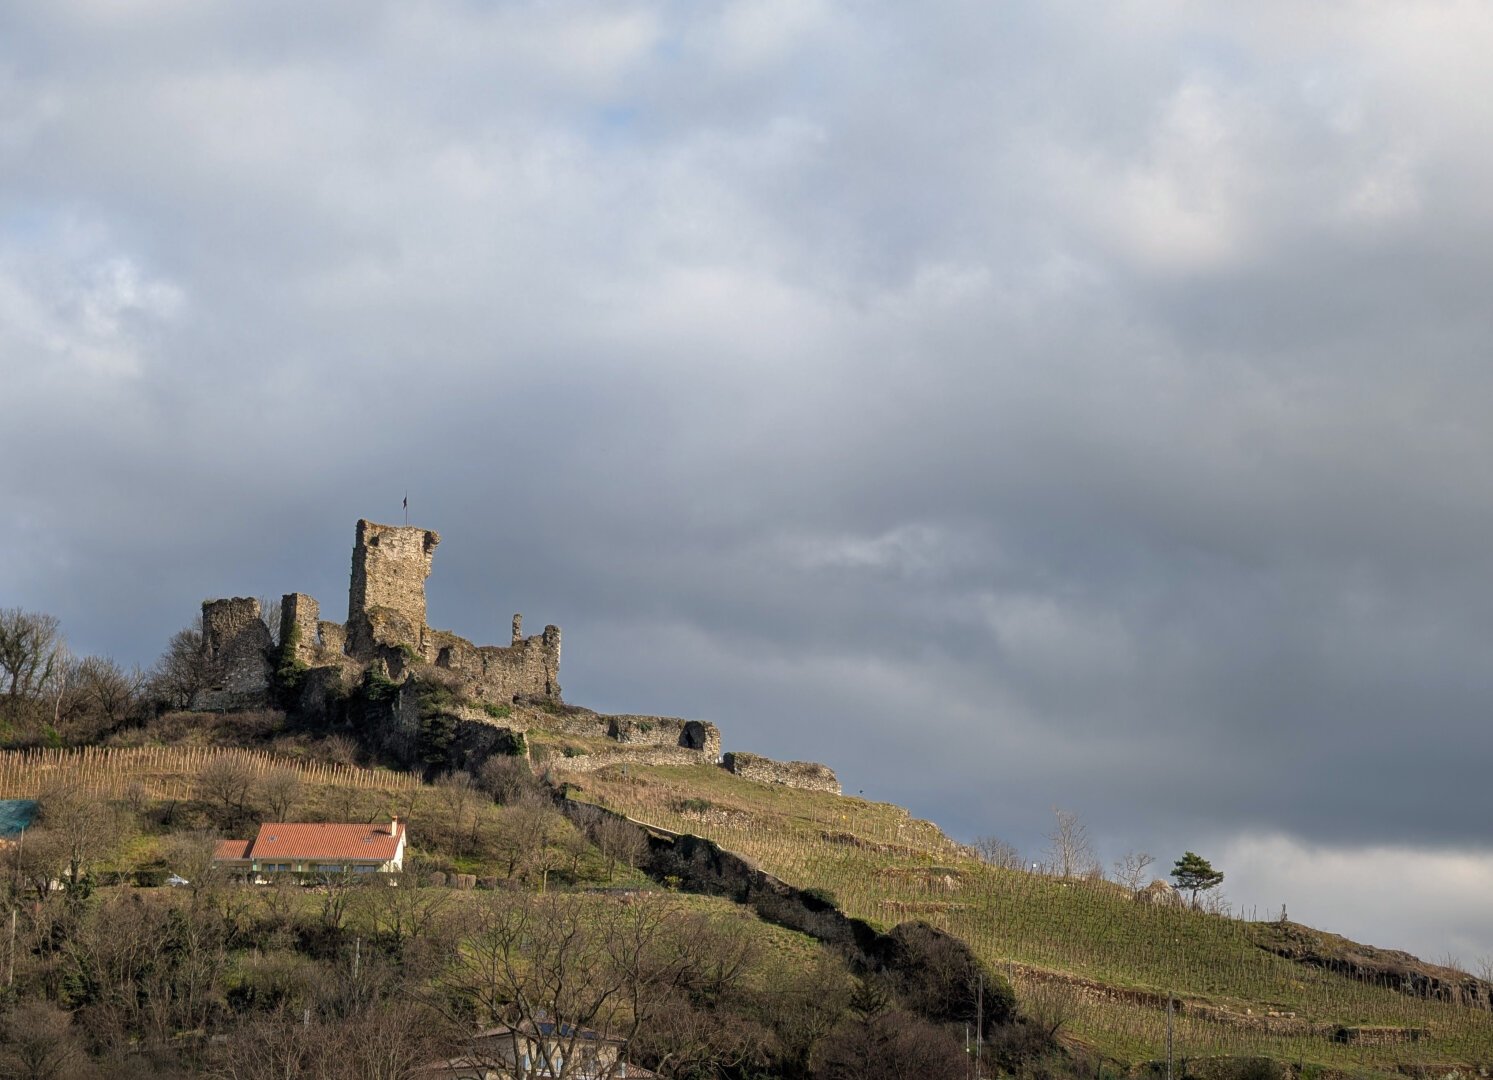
300, 617
386, 597
236, 647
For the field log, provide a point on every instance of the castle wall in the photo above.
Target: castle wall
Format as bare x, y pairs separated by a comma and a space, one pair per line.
300, 616
528, 668
386, 595
809, 775
669, 731
386, 624
236, 645
633, 755
333, 636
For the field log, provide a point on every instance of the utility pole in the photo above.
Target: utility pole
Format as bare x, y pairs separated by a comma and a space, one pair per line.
1169, 1001
979, 1026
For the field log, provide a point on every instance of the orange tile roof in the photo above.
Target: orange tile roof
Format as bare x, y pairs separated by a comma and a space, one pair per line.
295, 840
231, 849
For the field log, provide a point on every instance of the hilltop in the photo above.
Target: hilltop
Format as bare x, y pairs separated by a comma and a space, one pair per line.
902, 937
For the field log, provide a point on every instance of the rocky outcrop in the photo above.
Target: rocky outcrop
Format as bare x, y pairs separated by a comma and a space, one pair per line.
931, 970
1389, 968
1160, 894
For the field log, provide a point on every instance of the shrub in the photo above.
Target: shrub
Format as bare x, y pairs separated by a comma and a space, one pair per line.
290, 670
150, 877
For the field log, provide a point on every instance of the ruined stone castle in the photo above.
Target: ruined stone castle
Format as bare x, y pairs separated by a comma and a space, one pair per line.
385, 626
445, 702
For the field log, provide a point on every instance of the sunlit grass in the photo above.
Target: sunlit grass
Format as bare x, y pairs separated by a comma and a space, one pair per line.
886, 867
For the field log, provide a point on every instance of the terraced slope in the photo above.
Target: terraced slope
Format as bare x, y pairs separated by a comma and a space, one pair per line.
1085, 952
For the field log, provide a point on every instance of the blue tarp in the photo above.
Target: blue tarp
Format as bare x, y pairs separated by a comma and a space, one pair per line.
15, 815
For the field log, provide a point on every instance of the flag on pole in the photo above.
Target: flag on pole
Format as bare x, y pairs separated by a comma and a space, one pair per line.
406, 507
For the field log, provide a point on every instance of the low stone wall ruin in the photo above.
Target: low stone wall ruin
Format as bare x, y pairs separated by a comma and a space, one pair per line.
635, 730
639, 755
809, 775
530, 667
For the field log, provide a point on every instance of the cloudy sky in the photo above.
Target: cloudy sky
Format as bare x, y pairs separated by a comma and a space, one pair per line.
1013, 405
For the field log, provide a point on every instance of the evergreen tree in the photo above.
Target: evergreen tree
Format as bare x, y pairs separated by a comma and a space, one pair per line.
1196, 874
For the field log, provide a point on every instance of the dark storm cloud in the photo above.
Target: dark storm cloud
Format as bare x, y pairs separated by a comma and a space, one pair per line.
1012, 405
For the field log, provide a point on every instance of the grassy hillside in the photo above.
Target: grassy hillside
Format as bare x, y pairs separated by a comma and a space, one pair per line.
1086, 952
1085, 958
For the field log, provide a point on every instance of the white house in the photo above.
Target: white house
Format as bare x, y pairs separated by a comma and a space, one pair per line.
304, 847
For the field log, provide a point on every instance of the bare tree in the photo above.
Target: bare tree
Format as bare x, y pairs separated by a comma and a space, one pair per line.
37, 861
998, 852
340, 748
30, 645
281, 1045
1070, 853
400, 913
507, 779
224, 783
620, 841
108, 689
688, 1040
86, 827
391, 1041
336, 890
1130, 869
1214, 903
524, 832
567, 965
37, 1042
705, 1028
802, 1005
888, 1047
192, 856
269, 614
462, 801
282, 791
58, 687
183, 670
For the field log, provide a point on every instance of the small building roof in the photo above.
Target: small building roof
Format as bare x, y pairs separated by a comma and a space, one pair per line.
231, 849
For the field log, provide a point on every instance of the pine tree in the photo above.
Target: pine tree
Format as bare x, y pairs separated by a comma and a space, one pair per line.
1196, 874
